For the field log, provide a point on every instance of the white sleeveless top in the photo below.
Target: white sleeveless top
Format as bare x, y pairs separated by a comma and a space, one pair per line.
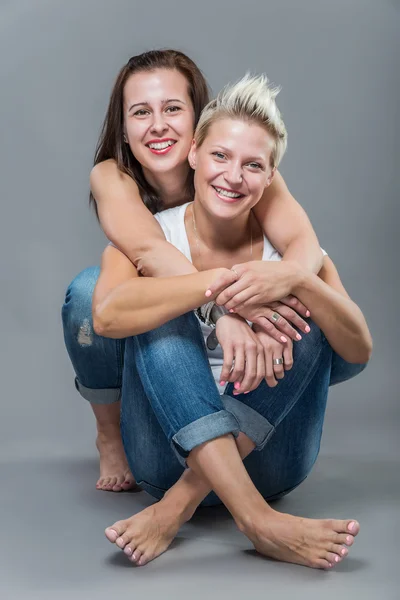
172, 222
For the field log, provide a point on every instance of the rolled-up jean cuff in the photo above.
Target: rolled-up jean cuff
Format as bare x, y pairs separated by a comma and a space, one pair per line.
203, 430
98, 396
251, 423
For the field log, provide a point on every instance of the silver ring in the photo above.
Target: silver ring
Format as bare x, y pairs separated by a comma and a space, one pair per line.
236, 273
277, 361
275, 317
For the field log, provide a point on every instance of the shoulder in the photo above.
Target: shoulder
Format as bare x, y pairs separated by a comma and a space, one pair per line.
107, 173
173, 217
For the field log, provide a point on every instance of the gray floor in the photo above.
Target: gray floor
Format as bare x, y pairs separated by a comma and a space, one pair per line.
53, 544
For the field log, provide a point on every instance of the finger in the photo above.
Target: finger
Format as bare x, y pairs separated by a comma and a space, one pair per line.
279, 370
218, 286
281, 323
246, 295
269, 328
295, 303
230, 292
291, 315
250, 370
227, 365
288, 356
269, 371
237, 373
260, 369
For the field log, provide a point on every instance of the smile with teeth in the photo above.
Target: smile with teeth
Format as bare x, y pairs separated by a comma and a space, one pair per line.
226, 193
161, 145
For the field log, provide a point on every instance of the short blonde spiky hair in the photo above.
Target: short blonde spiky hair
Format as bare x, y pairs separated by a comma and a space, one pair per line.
250, 99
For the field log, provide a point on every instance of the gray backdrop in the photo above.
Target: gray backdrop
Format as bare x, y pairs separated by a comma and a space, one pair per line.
338, 65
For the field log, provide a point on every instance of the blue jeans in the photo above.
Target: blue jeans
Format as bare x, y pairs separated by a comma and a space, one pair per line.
170, 402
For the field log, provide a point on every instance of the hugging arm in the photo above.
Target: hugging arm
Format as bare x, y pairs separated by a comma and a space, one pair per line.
125, 304
287, 226
132, 228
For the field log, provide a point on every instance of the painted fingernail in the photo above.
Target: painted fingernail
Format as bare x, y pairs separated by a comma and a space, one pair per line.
298, 336
308, 329
308, 313
231, 310
208, 293
283, 339
222, 382
237, 385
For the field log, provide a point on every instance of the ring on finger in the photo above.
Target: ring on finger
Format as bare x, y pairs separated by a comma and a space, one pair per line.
274, 317
236, 273
277, 361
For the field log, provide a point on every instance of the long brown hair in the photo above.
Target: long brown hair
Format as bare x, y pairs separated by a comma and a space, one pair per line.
111, 141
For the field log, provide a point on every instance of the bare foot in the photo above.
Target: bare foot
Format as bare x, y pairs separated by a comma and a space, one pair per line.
148, 534
115, 475
317, 543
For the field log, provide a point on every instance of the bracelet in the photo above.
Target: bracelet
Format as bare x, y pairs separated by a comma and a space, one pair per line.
210, 312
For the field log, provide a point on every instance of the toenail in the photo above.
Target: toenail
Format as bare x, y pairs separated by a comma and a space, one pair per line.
337, 558
352, 525
348, 539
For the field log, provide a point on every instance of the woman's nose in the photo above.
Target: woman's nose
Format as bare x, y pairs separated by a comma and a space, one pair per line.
159, 126
233, 175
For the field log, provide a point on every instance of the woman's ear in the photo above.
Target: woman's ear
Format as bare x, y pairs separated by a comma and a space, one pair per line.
270, 178
192, 155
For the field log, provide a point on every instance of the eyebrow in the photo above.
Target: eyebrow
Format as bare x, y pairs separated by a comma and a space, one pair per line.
162, 102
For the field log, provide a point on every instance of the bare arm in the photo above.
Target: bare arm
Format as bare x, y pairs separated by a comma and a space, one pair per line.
287, 226
130, 225
125, 304
335, 313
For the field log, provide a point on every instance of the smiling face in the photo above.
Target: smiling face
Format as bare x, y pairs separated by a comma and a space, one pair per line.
232, 167
158, 119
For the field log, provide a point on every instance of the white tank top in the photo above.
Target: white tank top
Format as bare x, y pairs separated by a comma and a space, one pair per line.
172, 222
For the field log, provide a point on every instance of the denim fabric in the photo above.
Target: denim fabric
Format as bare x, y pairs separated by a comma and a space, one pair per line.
98, 361
170, 402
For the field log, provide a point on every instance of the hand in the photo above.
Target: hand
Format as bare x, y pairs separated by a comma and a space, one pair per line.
274, 349
244, 362
260, 282
274, 319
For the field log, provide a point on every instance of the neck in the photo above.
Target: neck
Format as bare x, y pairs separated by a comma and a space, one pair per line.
170, 186
219, 234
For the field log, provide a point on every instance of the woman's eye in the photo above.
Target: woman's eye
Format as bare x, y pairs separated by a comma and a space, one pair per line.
140, 112
255, 165
173, 109
220, 155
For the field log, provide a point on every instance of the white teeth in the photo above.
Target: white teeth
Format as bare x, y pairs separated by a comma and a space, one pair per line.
161, 145
226, 193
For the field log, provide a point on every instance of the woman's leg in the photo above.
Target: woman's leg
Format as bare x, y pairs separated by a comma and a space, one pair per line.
193, 423
98, 364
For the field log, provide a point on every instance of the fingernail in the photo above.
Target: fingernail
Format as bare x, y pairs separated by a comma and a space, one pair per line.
308, 329
247, 392
283, 339
237, 385
298, 336
231, 310
208, 293
222, 382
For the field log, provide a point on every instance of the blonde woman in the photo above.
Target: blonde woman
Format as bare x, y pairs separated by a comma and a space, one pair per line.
186, 443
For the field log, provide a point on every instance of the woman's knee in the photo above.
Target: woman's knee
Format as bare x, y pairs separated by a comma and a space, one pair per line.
77, 307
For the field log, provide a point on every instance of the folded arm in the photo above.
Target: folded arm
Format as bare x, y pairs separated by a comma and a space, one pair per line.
335, 313
125, 304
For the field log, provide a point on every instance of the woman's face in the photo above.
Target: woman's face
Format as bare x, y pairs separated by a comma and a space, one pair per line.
232, 167
159, 119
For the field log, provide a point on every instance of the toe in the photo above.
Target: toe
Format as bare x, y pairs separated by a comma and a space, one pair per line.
332, 558
111, 534
337, 549
341, 538
136, 555
322, 563
349, 540
128, 483
128, 550
105, 484
115, 531
121, 542
117, 487
111, 483
353, 527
